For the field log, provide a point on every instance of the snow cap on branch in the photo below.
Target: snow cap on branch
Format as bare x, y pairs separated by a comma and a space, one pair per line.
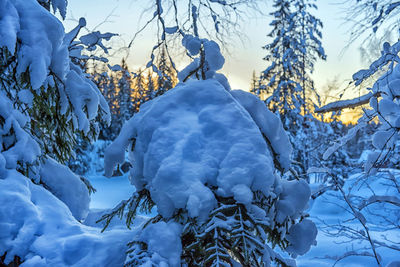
206, 64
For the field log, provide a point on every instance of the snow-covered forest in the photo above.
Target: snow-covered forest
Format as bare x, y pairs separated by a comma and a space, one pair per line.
104, 163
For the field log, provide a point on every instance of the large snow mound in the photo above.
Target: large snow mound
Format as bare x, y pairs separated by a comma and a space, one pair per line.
181, 150
41, 230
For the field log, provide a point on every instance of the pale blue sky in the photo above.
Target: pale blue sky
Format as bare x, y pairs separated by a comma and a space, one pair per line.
244, 58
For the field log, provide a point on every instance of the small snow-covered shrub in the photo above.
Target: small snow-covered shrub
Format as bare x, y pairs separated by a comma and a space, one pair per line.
210, 160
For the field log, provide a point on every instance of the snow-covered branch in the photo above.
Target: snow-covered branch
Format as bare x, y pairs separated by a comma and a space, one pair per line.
350, 103
380, 199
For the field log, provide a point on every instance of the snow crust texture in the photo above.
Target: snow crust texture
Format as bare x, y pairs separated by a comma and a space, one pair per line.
164, 241
208, 62
301, 236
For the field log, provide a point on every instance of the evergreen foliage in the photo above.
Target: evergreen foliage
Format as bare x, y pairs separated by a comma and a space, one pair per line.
231, 232
54, 119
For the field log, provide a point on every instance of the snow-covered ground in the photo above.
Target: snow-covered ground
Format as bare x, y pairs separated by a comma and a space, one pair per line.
330, 209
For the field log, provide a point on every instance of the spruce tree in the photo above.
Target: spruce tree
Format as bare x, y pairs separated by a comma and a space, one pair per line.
151, 88
286, 85
50, 98
105, 81
124, 94
254, 85
140, 90
166, 73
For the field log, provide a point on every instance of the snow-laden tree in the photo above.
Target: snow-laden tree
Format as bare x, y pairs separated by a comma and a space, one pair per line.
286, 85
377, 208
382, 98
254, 84
207, 162
310, 48
45, 101
41, 79
292, 54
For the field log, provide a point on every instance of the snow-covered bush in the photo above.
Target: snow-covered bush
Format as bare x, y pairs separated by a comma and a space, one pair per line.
384, 102
209, 160
339, 164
